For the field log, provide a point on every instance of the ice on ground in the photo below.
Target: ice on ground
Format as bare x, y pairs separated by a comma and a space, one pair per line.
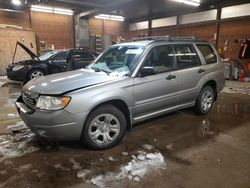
236, 90
134, 170
11, 115
16, 145
83, 173
14, 150
76, 165
125, 153
24, 167
60, 167
147, 147
2, 83
18, 127
111, 158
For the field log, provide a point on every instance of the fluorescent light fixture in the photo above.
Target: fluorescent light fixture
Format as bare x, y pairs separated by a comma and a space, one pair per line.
16, 2
110, 17
46, 9
189, 2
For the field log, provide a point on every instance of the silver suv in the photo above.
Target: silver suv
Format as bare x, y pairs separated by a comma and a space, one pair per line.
128, 83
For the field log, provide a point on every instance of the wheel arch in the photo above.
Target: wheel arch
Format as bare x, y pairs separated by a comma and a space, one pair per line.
213, 84
121, 105
36, 68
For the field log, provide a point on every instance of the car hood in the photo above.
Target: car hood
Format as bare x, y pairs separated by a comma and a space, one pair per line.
58, 84
26, 49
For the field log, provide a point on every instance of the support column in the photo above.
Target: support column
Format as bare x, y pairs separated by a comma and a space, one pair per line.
218, 20
150, 18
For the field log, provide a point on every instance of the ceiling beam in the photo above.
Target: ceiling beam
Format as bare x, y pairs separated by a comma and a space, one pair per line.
186, 10
109, 7
81, 3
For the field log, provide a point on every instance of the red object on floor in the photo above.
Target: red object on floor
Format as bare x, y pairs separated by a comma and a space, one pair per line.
248, 65
242, 76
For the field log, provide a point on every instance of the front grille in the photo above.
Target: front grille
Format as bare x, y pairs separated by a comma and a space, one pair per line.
28, 100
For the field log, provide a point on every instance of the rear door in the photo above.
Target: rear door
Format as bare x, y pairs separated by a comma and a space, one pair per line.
80, 59
157, 92
189, 72
58, 63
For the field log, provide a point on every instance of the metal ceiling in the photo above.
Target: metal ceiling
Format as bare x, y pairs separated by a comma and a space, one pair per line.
132, 10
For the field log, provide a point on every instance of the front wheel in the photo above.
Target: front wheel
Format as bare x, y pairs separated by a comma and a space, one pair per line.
205, 100
104, 127
36, 73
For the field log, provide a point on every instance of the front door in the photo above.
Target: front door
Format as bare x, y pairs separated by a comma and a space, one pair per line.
156, 93
58, 63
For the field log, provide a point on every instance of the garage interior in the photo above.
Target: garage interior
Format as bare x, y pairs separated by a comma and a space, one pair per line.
198, 151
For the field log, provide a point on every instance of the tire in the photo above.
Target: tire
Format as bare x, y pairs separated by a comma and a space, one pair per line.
35, 73
205, 100
104, 127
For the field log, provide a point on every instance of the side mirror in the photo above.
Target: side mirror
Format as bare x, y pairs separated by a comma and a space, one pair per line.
147, 71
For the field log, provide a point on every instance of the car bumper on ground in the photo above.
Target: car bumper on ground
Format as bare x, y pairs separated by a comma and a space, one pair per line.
53, 125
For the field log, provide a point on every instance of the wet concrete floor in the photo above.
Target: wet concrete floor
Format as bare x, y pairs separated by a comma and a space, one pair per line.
199, 151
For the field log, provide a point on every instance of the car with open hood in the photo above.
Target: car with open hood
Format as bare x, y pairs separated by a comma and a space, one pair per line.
129, 83
51, 62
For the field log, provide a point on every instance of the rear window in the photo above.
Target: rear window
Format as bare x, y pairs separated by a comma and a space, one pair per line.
208, 53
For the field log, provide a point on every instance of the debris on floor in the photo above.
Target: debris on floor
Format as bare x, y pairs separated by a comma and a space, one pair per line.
136, 169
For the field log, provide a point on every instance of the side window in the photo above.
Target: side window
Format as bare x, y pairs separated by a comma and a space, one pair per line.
61, 56
82, 55
186, 56
161, 58
208, 53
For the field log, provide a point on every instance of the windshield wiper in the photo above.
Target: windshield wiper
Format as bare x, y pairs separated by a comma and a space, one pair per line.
100, 70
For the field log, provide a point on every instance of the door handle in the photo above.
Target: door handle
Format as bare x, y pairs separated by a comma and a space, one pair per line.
201, 71
170, 77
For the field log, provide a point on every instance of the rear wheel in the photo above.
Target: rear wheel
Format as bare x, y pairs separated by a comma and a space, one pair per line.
205, 100
36, 73
104, 127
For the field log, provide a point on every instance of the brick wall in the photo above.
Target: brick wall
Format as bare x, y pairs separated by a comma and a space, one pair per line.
103, 27
15, 18
54, 29
229, 30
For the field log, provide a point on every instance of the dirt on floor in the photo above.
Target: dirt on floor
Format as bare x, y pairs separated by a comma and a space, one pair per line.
178, 150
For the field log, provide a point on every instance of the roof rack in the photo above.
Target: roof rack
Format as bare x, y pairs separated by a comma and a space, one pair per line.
167, 38
151, 38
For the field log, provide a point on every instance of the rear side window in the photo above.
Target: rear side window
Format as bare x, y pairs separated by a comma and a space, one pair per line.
208, 53
186, 56
82, 55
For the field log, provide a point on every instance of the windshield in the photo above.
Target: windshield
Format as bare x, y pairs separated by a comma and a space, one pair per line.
47, 55
118, 60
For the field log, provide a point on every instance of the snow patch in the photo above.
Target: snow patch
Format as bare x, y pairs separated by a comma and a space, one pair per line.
2, 83
83, 173
147, 147
18, 127
136, 169
16, 145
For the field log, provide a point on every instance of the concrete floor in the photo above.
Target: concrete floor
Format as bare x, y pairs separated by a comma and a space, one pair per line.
199, 151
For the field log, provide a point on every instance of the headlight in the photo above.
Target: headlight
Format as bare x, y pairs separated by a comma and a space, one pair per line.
17, 67
52, 103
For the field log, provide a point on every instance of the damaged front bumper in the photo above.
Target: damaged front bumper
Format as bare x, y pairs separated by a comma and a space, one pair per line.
59, 125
